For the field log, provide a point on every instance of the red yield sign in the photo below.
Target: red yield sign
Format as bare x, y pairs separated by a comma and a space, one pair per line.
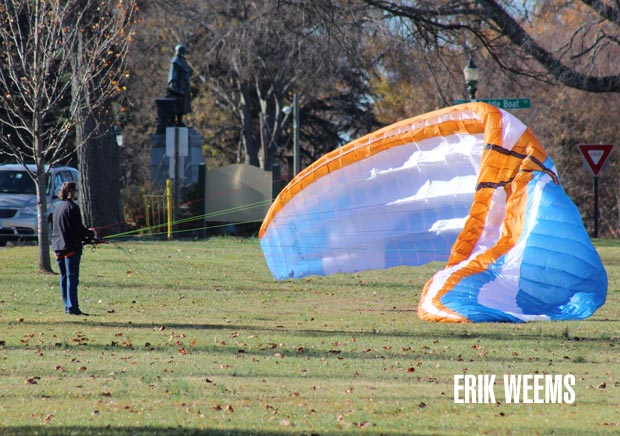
595, 155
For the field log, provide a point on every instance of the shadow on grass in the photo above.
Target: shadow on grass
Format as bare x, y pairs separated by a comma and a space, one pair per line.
169, 431
297, 346
504, 332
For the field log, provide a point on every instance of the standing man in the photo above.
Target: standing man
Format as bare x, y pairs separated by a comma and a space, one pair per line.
68, 232
178, 84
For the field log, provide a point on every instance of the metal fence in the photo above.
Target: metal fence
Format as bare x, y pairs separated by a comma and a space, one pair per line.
158, 212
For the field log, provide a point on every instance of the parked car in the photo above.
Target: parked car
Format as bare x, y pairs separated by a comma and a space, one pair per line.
18, 200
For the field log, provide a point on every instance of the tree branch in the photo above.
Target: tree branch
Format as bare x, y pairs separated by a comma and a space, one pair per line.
565, 75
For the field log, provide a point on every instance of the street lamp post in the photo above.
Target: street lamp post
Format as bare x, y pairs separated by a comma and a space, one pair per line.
472, 74
296, 164
295, 110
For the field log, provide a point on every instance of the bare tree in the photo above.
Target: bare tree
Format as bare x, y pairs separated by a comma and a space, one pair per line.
40, 41
501, 28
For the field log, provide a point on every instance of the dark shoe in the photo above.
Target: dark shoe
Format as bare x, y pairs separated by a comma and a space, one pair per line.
77, 312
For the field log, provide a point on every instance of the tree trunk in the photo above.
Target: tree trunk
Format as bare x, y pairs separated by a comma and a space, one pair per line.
100, 191
98, 161
247, 134
45, 265
43, 234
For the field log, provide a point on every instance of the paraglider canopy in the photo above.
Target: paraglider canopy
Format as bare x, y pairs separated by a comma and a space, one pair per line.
469, 185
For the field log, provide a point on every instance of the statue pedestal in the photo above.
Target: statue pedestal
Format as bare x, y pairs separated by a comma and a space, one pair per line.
188, 165
189, 159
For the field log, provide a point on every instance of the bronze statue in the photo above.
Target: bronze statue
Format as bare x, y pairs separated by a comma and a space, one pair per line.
178, 84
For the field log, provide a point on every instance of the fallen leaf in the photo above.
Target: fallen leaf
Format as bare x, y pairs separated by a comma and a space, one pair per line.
32, 380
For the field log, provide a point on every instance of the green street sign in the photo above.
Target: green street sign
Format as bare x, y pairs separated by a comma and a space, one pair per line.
502, 103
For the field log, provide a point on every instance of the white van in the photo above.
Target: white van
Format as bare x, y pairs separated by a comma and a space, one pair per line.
18, 200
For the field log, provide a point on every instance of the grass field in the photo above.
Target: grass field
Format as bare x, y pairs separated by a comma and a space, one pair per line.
196, 338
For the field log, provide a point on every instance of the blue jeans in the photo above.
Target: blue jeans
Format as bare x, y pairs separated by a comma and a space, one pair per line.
69, 279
